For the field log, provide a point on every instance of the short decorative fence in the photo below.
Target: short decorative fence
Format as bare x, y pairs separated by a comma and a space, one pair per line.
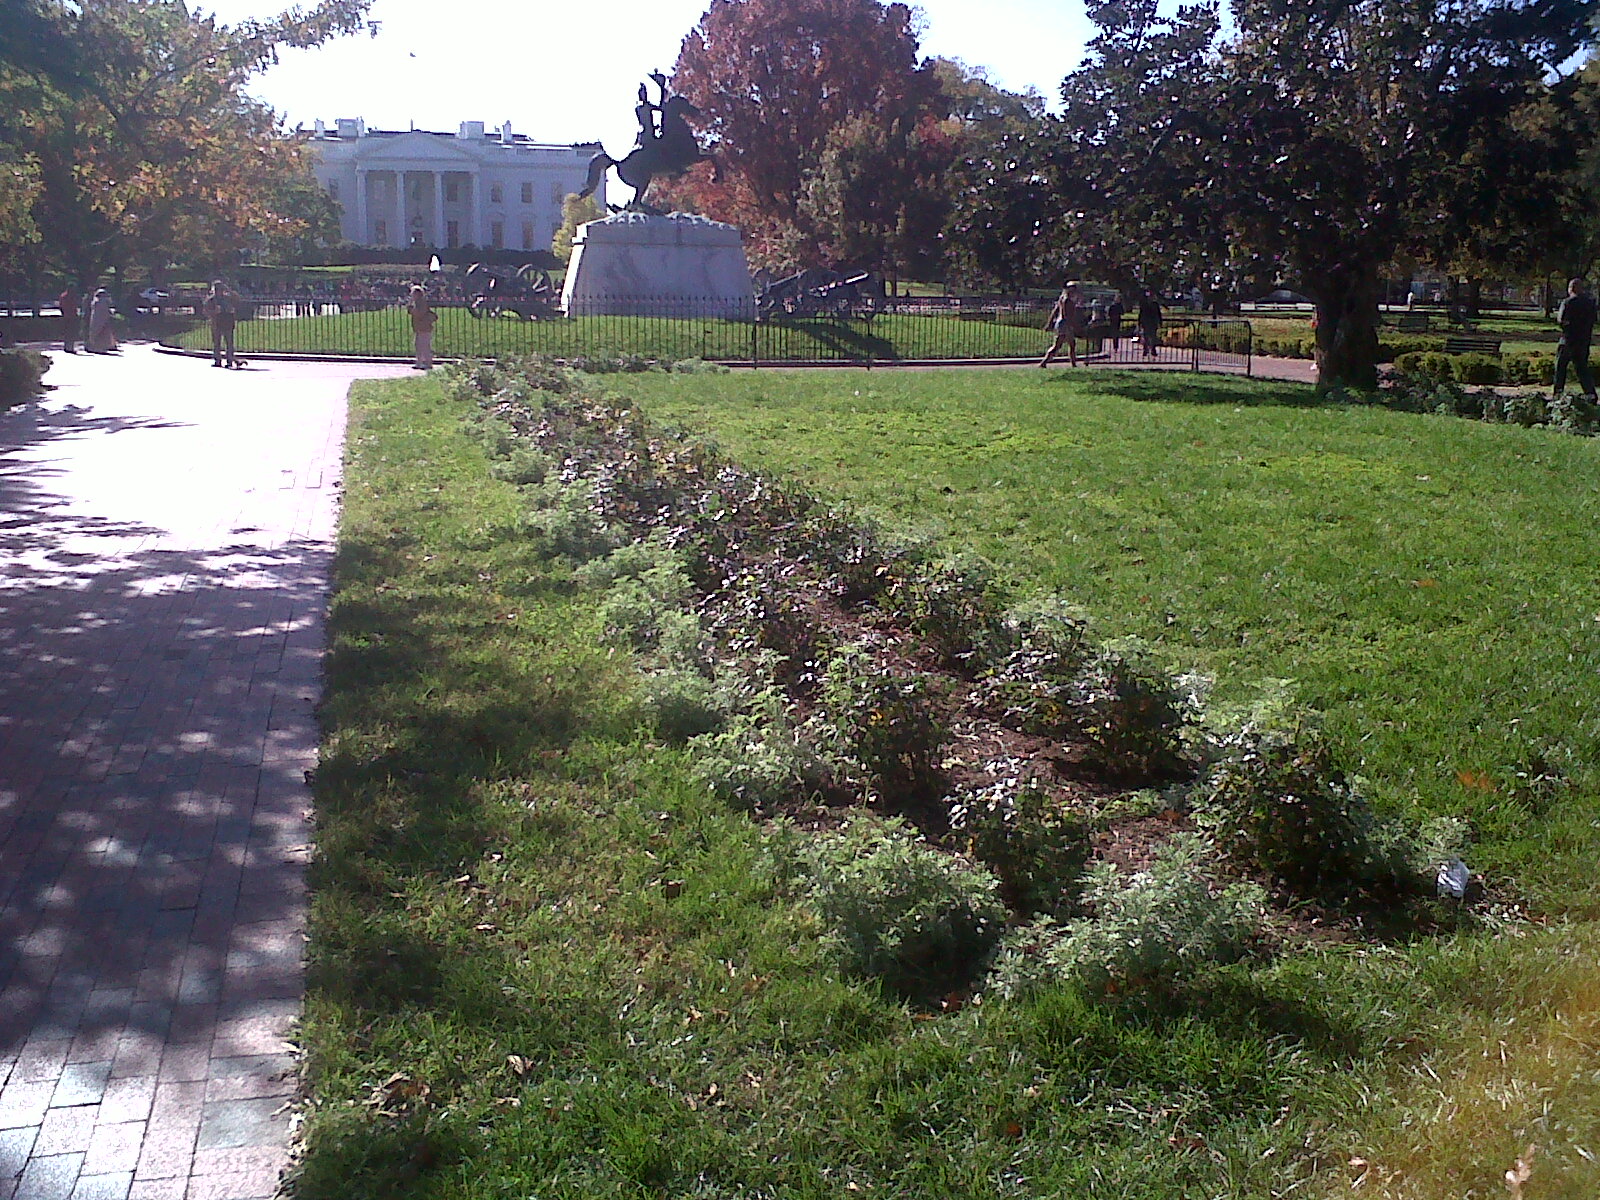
933, 330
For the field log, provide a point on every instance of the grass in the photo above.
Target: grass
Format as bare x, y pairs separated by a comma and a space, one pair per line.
1429, 582
388, 333
508, 1001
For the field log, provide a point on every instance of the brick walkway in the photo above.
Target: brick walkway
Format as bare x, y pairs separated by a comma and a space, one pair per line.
165, 536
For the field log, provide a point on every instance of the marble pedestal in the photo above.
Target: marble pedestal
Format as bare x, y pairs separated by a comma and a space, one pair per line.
635, 264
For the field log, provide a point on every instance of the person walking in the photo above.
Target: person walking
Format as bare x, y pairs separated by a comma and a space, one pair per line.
1149, 323
68, 303
221, 308
1114, 314
101, 338
1066, 318
1576, 317
423, 319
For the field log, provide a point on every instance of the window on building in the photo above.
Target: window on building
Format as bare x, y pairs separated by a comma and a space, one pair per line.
452, 233
497, 234
497, 194
527, 232
452, 192
380, 232
333, 189
555, 195
527, 192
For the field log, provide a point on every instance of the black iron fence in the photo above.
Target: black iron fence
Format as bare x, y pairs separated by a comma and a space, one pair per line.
931, 330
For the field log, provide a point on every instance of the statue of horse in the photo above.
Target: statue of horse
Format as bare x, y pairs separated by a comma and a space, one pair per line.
669, 152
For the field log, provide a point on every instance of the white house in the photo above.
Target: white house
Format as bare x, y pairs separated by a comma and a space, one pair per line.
499, 189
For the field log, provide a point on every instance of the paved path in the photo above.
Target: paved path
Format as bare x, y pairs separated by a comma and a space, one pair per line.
165, 537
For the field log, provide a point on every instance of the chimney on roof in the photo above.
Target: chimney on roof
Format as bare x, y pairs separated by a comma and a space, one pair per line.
350, 127
506, 139
470, 129
318, 127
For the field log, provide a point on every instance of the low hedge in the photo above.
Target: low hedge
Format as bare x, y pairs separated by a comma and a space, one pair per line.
20, 373
1481, 369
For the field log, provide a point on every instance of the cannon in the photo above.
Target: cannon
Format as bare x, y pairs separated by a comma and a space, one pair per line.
527, 294
817, 292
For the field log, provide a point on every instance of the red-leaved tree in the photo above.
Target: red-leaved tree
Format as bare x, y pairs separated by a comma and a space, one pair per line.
773, 79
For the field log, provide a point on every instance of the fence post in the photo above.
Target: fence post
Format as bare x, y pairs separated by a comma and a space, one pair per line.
1249, 349
1194, 346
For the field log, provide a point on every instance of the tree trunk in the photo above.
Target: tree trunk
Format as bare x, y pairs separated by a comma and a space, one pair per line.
1347, 331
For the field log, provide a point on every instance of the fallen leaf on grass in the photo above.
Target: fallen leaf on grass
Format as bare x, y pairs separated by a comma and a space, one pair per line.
1519, 1174
1478, 781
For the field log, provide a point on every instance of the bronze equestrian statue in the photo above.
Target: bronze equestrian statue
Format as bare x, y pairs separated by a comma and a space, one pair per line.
668, 149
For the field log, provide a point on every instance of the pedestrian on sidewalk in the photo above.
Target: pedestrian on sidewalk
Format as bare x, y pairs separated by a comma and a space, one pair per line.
1066, 318
1114, 314
1149, 323
101, 339
1576, 318
423, 319
68, 303
222, 310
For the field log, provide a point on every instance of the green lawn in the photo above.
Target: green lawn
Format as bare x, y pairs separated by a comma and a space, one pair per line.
1432, 583
388, 333
544, 963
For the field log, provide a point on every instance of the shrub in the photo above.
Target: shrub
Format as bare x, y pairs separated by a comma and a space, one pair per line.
1146, 931
521, 465
1132, 715
1031, 841
1277, 800
1526, 409
681, 704
639, 613
950, 605
760, 757
895, 908
20, 373
563, 521
1573, 414
884, 721
1477, 368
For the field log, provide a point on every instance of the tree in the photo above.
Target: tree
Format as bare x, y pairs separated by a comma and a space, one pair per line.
773, 80
1307, 140
575, 211
147, 148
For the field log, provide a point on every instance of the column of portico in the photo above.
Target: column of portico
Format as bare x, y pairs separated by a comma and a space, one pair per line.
438, 209
398, 233
363, 231
474, 209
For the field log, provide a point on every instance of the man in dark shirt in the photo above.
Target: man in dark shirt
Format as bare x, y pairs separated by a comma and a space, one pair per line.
1576, 318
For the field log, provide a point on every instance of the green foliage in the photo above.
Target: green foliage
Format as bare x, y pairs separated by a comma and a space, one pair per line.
884, 721
562, 522
951, 605
20, 373
1029, 839
895, 908
760, 757
1131, 712
1277, 800
1145, 932
682, 704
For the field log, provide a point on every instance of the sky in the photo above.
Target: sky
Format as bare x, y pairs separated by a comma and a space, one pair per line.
567, 72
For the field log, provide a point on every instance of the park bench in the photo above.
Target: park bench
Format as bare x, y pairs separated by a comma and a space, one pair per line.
1413, 323
1472, 343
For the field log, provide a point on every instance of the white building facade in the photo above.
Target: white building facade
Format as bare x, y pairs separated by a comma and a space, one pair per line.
494, 189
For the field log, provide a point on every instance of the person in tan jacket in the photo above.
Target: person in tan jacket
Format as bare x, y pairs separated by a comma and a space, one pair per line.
423, 319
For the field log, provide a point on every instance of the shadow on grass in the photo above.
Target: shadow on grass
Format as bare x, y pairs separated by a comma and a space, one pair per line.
1173, 387
420, 723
